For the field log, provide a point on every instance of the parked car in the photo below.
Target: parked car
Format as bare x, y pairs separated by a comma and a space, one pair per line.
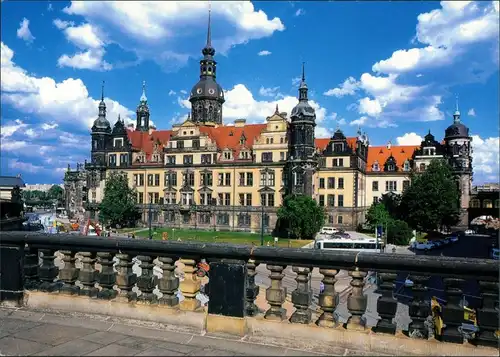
328, 230
453, 239
469, 232
423, 246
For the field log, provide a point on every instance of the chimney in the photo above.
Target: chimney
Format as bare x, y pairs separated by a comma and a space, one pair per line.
239, 123
389, 145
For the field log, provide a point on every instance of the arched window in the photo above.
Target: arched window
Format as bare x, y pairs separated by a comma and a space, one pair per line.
487, 204
475, 203
422, 167
210, 113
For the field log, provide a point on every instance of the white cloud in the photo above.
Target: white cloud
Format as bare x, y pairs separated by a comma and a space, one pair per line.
66, 102
182, 91
299, 12
370, 107
359, 122
23, 166
171, 92
49, 7
471, 112
269, 92
486, 158
148, 28
264, 53
46, 126
23, 32
240, 103
409, 139
349, 87
296, 81
9, 129
88, 39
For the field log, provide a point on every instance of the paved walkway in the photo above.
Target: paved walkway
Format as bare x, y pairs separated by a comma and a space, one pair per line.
26, 332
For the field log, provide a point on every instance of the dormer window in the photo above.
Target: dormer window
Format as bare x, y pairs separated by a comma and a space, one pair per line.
376, 166
231, 133
244, 155
141, 158
242, 139
406, 166
390, 164
228, 155
338, 147
118, 143
390, 167
155, 158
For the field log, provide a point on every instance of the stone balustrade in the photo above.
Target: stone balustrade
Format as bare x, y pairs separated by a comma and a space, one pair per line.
95, 274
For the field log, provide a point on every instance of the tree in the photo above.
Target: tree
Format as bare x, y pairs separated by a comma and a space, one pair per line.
56, 193
432, 200
119, 203
301, 216
377, 215
398, 232
391, 201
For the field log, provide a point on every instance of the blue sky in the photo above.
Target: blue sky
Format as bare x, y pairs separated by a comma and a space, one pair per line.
393, 68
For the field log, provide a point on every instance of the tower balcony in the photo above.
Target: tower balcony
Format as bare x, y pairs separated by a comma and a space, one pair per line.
100, 277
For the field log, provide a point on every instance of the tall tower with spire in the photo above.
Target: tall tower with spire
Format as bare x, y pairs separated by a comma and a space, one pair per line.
207, 95
142, 112
302, 161
459, 154
101, 131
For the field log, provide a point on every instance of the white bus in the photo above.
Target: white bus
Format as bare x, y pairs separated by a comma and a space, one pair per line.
356, 245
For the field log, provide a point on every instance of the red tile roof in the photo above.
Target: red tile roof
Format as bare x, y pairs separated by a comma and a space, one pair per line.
142, 140
382, 153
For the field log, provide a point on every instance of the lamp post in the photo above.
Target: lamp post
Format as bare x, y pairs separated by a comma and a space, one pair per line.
150, 216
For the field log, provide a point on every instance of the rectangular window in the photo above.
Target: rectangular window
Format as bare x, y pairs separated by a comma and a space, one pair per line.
227, 199
249, 179
170, 179
196, 144
242, 179
180, 144
263, 199
188, 179
157, 179
187, 159
223, 219
186, 198
270, 199
123, 159
150, 179
335, 163
228, 179
321, 183
331, 200
206, 158
341, 162
330, 219
282, 156
331, 182
375, 199
249, 199
406, 184
170, 198
242, 199
322, 200
112, 160
340, 200
263, 178
244, 220
340, 183
224, 179
391, 186
375, 186
267, 157
140, 197
156, 198
170, 160
340, 219
271, 179
206, 179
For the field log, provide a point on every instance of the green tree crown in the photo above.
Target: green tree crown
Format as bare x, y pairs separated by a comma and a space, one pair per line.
301, 216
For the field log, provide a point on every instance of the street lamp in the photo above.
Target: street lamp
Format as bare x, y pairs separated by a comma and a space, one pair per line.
150, 215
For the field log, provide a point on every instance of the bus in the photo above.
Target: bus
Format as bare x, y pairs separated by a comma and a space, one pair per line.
355, 245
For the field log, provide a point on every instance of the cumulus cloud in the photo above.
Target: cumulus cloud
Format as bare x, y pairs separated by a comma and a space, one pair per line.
486, 159
471, 112
409, 139
269, 92
23, 32
240, 103
264, 53
148, 28
172, 92
460, 45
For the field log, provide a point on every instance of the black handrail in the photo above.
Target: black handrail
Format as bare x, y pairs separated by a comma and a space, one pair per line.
428, 265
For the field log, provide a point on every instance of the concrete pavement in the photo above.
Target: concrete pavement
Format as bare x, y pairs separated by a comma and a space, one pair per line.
43, 333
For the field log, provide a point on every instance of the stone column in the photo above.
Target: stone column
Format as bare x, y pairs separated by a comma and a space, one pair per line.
252, 289
169, 283
357, 301
69, 273
386, 304
48, 271
487, 315
190, 286
146, 282
453, 311
107, 277
276, 294
125, 279
88, 275
419, 308
328, 299
301, 297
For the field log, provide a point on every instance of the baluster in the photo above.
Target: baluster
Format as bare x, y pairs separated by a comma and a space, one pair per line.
169, 283
31, 266
48, 271
386, 304
357, 300
328, 299
487, 315
125, 279
87, 275
190, 286
252, 289
276, 293
419, 309
453, 311
147, 281
107, 276
301, 297
69, 273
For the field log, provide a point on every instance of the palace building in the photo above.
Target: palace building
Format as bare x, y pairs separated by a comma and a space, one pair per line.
207, 175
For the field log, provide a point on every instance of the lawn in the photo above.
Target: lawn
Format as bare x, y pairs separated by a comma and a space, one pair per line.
221, 237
